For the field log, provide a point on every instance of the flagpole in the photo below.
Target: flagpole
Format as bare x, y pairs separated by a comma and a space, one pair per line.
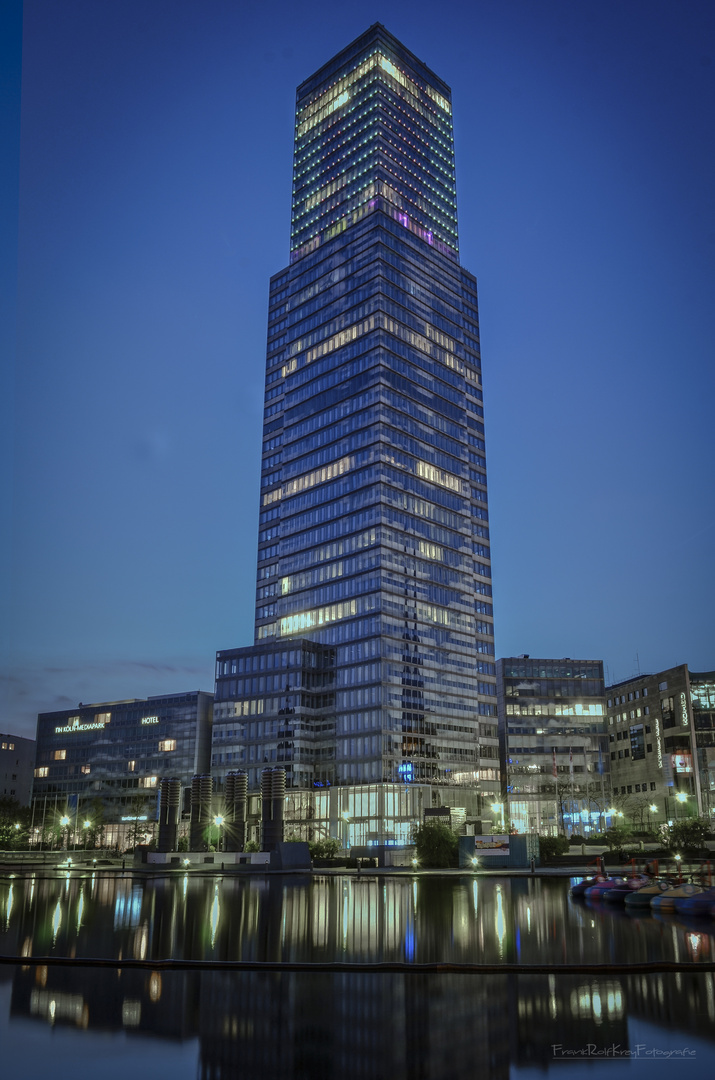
571, 782
556, 789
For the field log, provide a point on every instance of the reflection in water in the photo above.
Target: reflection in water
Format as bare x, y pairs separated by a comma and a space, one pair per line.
304, 918
352, 1024
56, 922
365, 919
370, 1025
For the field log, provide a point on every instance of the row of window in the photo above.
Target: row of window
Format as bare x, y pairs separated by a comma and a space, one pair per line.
633, 695
633, 714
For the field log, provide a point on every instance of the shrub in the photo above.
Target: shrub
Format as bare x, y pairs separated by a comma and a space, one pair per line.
553, 845
686, 835
437, 846
617, 836
326, 848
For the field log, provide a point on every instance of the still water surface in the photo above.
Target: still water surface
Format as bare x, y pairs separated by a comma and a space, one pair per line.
220, 1024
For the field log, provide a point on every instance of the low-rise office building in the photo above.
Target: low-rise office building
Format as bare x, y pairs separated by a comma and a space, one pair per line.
661, 732
553, 744
17, 757
117, 752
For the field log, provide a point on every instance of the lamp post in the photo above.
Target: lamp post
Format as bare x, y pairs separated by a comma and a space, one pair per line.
346, 818
652, 809
219, 821
64, 822
681, 798
86, 825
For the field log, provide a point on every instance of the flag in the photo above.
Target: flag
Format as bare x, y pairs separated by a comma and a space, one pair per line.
555, 772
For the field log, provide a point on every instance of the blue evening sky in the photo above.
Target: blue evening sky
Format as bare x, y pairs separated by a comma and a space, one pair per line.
154, 140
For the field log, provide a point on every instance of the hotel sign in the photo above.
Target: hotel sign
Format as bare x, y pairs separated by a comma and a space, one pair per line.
150, 720
75, 725
683, 710
658, 744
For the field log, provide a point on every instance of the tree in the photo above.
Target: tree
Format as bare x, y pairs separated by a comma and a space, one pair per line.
437, 845
616, 837
140, 807
94, 813
12, 815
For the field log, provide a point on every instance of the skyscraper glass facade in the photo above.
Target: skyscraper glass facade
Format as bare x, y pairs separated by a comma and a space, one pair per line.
374, 532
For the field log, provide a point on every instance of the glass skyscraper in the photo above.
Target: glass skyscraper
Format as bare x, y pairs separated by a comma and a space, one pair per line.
374, 533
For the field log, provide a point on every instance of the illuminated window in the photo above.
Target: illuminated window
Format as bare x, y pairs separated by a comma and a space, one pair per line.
167, 744
102, 717
4, 746
44, 771
318, 476
86, 769
131, 766
60, 755
291, 624
147, 781
438, 476
11, 746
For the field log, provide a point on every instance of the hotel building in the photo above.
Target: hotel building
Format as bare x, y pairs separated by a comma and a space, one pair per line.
117, 752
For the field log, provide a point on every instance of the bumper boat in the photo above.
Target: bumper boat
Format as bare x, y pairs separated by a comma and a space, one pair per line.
643, 896
699, 904
595, 892
580, 887
665, 901
619, 893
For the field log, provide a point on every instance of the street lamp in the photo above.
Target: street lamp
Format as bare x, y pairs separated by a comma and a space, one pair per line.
680, 797
85, 825
64, 823
219, 820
